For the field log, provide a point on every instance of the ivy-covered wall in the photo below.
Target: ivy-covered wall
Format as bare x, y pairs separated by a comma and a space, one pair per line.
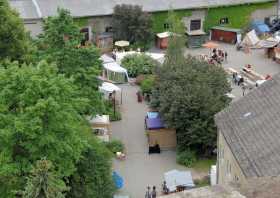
238, 16
81, 22
160, 18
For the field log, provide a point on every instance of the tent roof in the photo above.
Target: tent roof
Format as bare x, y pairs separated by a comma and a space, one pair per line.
163, 34
99, 119
106, 59
154, 123
109, 87
115, 67
176, 178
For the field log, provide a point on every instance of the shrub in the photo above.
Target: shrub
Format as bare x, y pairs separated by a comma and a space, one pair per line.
186, 158
115, 146
147, 84
137, 64
109, 110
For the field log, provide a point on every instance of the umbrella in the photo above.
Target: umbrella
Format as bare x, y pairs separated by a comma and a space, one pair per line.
118, 180
210, 45
122, 43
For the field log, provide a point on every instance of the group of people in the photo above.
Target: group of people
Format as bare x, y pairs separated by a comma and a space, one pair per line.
153, 193
237, 79
218, 56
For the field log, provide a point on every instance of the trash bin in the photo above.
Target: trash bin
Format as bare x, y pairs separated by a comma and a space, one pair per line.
139, 96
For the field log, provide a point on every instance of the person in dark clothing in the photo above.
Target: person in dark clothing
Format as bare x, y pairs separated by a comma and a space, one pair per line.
154, 192
226, 55
148, 193
164, 188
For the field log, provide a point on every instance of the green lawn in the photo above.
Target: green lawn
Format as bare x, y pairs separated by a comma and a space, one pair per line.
203, 165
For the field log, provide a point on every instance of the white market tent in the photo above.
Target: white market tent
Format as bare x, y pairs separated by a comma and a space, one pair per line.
251, 39
175, 178
108, 88
106, 59
114, 72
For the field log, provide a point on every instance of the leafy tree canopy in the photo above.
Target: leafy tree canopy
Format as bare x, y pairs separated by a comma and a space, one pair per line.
44, 183
13, 38
137, 64
60, 30
93, 177
188, 93
60, 43
132, 24
39, 118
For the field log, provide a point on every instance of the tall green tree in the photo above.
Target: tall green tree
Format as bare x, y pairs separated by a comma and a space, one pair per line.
188, 93
131, 23
93, 177
13, 38
44, 183
60, 44
39, 111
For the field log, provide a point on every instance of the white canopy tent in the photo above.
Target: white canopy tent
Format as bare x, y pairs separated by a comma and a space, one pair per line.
106, 59
114, 72
250, 40
108, 88
175, 178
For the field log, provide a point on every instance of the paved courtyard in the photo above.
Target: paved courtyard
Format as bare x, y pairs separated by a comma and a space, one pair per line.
139, 169
238, 59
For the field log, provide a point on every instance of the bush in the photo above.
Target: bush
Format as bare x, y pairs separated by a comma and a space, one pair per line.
115, 146
186, 158
137, 64
147, 84
109, 110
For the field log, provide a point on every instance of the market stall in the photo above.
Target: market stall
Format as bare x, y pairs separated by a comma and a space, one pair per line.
196, 38
178, 180
158, 133
225, 34
104, 41
100, 125
115, 73
162, 40
108, 89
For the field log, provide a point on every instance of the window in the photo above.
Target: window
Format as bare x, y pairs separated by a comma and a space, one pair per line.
166, 26
109, 29
195, 25
85, 32
224, 21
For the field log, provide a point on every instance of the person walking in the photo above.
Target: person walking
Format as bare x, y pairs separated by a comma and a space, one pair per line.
226, 55
154, 192
148, 193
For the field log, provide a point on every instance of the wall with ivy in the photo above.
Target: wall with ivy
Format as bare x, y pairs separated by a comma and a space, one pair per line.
238, 16
82, 22
160, 18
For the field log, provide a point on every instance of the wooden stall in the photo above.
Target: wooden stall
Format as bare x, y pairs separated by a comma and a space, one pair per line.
162, 40
196, 38
101, 127
277, 54
104, 41
224, 34
158, 133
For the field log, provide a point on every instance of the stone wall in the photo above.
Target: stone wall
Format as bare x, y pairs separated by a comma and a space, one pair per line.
228, 168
